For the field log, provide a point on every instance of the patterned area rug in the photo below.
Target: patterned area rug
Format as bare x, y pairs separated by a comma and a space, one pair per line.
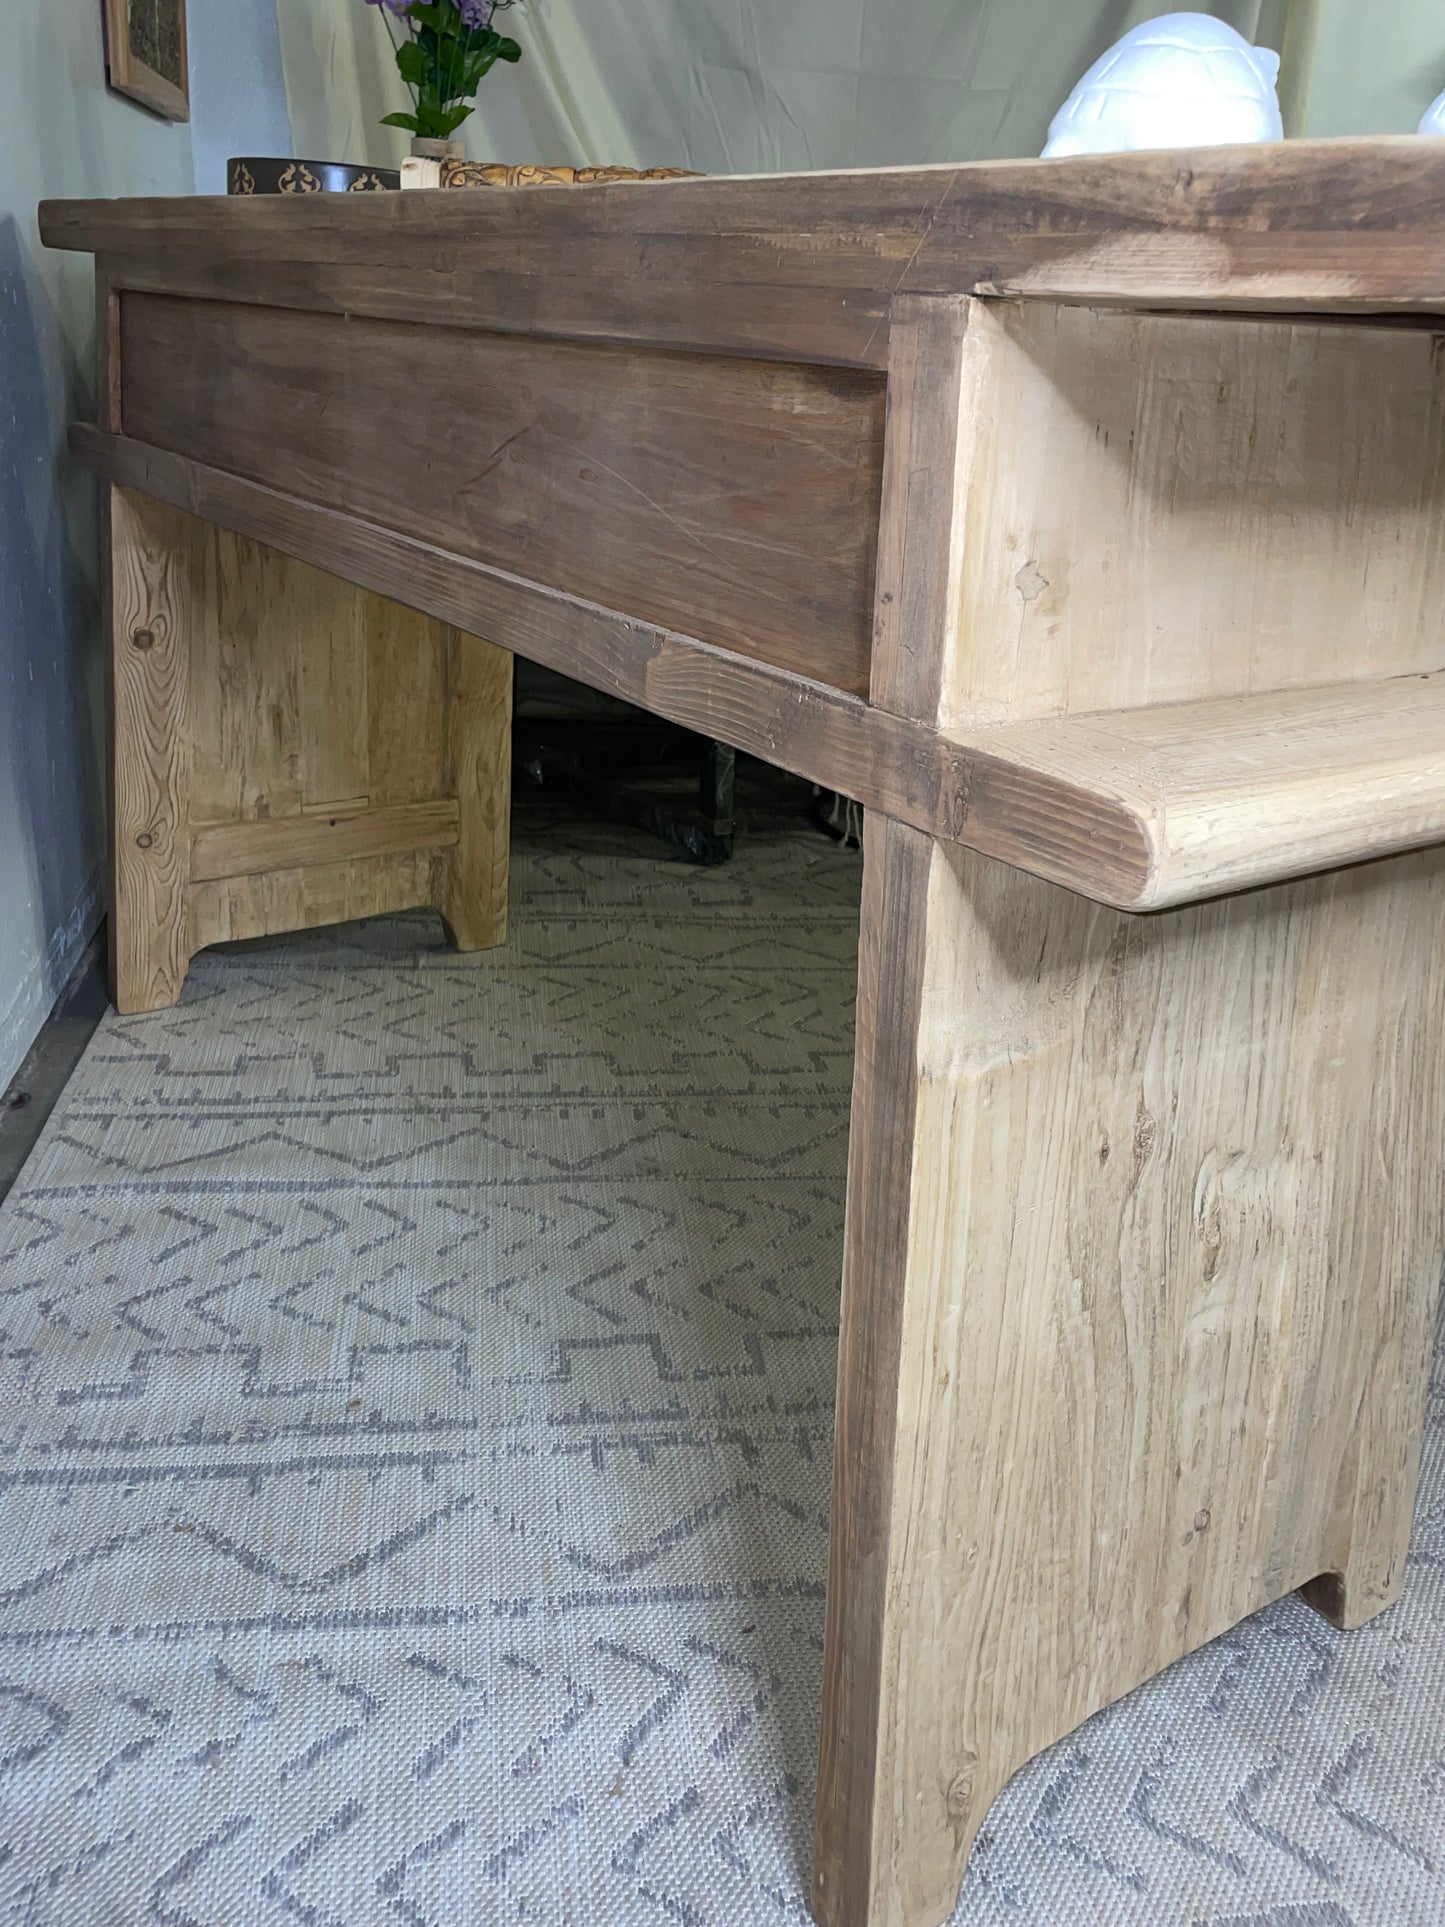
414, 1448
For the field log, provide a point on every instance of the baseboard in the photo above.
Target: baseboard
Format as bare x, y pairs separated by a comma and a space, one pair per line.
35, 998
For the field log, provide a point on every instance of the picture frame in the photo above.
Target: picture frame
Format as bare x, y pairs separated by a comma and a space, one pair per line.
145, 54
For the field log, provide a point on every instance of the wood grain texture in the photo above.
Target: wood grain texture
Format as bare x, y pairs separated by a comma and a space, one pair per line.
246, 693
229, 909
896, 861
471, 888
155, 557
805, 266
886, 762
309, 693
1135, 1328
1229, 793
736, 501
1118, 808
294, 749
310, 696
1153, 1342
1157, 508
333, 660
408, 676
298, 842
107, 351
924, 470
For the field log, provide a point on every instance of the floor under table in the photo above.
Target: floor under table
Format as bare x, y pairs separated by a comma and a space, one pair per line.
414, 1460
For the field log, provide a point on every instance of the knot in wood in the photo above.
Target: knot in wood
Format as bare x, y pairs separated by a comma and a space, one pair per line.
958, 1800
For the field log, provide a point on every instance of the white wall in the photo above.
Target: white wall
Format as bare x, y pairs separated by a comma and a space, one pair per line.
238, 94
1370, 69
739, 85
62, 133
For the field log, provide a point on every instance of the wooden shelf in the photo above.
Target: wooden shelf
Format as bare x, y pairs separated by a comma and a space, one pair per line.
1224, 794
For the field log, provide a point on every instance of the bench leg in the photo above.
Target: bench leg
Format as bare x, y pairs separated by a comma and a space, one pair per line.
1143, 1254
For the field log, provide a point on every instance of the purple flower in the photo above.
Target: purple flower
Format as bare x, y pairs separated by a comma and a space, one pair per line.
475, 13
397, 7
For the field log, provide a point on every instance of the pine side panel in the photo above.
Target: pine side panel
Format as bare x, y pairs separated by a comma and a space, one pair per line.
1164, 1314
1158, 508
247, 754
1146, 1344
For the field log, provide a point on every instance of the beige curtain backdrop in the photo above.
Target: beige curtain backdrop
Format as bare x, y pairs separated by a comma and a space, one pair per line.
743, 85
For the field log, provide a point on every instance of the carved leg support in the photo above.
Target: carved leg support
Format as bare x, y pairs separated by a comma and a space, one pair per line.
1143, 1249
287, 750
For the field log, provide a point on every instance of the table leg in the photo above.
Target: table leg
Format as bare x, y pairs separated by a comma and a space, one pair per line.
1143, 1254
472, 876
152, 557
287, 750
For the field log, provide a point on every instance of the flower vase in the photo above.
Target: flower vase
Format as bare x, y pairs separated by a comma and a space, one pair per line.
423, 166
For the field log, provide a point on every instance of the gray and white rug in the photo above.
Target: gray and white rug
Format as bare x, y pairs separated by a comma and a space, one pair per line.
414, 1457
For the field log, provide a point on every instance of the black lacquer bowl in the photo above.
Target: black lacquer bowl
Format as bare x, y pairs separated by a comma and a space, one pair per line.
250, 175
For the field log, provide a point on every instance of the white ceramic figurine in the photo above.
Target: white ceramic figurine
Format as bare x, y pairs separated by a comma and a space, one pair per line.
1434, 118
1183, 80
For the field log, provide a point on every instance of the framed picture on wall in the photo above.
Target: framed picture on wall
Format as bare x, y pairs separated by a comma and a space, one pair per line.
145, 54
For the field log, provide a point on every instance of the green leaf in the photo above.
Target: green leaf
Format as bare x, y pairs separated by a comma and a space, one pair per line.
408, 121
435, 117
411, 63
509, 50
439, 19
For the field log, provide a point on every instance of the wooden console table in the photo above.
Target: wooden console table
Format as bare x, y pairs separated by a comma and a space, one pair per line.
1086, 522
